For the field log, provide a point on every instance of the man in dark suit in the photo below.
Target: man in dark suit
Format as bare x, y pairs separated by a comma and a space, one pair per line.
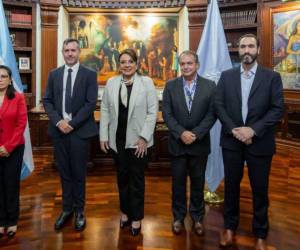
249, 104
189, 115
69, 101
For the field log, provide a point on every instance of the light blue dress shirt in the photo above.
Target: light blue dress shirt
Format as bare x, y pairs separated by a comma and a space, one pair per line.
247, 78
189, 92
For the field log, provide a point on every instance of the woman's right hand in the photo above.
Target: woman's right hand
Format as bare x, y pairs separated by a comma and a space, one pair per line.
3, 152
104, 146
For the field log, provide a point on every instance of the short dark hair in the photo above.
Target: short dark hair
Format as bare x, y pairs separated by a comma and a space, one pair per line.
251, 36
133, 56
190, 53
131, 53
71, 40
10, 92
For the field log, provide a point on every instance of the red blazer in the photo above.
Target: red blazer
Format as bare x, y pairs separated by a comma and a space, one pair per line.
13, 120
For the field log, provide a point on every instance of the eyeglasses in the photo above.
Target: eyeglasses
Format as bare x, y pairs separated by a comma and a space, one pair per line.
3, 76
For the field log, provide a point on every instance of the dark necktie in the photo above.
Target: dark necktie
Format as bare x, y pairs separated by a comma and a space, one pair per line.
68, 96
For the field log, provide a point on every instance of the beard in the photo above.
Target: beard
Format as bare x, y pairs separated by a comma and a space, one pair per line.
248, 58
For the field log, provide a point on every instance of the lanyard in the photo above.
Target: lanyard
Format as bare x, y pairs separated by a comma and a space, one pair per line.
190, 94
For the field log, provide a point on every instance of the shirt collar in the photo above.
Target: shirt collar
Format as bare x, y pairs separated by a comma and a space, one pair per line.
252, 70
74, 67
185, 83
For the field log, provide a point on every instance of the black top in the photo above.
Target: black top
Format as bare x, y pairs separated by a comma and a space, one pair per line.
123, 117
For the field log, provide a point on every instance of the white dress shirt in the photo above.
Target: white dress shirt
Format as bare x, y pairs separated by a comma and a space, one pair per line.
74, 68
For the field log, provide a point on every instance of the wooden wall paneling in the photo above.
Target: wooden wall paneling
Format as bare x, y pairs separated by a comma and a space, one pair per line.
33, 57
49, 18
195, 25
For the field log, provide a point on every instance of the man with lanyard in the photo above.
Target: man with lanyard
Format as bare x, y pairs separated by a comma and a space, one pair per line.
249, 104
189, 115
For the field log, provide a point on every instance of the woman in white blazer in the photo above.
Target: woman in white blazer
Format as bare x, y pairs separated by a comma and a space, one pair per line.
128, 116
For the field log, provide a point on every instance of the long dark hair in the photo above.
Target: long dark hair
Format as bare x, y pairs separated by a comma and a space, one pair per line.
10, 92
133, 56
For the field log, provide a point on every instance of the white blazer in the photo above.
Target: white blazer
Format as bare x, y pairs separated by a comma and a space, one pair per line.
142, 112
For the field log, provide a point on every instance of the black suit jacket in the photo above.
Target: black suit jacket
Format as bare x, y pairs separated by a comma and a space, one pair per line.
265, 109
199, 120
84, 98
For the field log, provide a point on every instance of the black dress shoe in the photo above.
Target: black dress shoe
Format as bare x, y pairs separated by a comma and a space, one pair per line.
135, 231
11, 234
125, 223
198, 228
79, 222
177, 227
62, 219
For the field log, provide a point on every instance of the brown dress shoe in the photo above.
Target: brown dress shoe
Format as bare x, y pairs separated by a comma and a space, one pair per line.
177, 227
261, 244
198, 228
226, 238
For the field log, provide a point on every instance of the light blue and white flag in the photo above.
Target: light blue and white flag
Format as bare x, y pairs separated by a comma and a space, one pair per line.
7, 57
214, 58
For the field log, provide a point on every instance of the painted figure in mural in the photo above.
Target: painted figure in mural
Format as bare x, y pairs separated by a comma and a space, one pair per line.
293, 48
174, 61
151, 59
82, 36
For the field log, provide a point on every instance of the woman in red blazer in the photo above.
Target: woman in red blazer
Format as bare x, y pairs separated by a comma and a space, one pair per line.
13, 119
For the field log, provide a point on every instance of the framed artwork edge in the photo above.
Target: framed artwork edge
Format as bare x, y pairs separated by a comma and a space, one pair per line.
284, 7
24, 63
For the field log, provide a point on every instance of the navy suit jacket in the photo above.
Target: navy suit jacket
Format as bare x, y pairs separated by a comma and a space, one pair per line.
265, 109
84, 99
199, 120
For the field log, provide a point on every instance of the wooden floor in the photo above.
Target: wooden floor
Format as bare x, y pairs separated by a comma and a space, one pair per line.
41, 203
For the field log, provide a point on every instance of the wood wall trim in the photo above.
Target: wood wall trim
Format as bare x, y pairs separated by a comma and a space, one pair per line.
112, 4
195, 25
49, 27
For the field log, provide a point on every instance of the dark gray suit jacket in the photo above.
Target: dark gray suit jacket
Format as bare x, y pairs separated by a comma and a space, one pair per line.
84, 98
199, 120
265, 109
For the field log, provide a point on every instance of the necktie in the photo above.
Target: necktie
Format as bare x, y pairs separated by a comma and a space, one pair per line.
68, 93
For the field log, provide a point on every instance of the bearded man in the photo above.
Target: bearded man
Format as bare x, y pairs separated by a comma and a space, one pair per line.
249, 104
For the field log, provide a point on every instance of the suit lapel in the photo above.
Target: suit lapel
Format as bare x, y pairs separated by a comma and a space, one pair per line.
134, 93
199, 92
4, 106
257, 79
60, 84
236, 81
181, 93
115, 93
77, 82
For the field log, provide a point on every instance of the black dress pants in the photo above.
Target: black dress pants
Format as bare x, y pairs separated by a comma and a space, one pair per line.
131, 181
71, 155
10, 171
194, 167
258, 171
